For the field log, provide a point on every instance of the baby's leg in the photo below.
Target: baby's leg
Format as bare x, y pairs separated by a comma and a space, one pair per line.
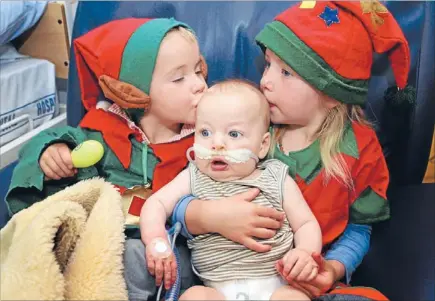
286, 292
201, 293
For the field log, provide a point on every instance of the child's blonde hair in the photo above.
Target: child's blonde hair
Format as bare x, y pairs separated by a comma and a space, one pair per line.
184, 32
330, 135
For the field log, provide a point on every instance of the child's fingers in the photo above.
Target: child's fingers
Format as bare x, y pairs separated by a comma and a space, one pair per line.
54, 167
289, 262
280, 263
256, 246
151, 265
65, 154
279, 267
318, 258
52, 158
159, 269
305, 273
63, 170
167, 274
314, 273
272, 214
46, 169
297, 268
174, 270
263, 233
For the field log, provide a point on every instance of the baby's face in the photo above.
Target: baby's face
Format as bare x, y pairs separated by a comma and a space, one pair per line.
230, 121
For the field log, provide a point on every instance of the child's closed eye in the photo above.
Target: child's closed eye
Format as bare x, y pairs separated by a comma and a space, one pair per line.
179, 79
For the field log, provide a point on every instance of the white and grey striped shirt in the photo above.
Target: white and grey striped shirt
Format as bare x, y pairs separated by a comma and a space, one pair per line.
215, 258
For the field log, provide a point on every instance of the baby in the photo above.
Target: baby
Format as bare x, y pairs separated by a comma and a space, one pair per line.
231, 139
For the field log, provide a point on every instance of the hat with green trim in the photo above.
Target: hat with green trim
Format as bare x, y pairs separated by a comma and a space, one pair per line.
119, 58
330, 45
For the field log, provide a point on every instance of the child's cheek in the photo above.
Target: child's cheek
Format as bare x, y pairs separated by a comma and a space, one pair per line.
241, 170
275, 117
202, 165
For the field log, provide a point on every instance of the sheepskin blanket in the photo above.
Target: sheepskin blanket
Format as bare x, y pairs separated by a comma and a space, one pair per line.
67, 247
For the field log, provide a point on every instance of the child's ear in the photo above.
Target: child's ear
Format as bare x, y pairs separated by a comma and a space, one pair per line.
330, 102
265, 145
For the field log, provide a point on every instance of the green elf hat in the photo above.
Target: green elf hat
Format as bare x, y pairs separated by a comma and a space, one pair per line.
119, 58
330, 45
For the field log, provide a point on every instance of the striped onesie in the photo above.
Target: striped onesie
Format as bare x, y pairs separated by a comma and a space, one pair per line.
215, 258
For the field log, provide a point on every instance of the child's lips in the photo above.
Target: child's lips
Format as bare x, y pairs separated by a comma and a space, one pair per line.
219, 164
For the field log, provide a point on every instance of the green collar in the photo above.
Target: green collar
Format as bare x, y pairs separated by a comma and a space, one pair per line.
307, 163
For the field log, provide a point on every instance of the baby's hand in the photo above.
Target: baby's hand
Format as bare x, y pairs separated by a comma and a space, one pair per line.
297, 264
56, 162
161, 268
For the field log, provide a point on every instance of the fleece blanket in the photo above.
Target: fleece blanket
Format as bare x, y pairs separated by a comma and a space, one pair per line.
67, 247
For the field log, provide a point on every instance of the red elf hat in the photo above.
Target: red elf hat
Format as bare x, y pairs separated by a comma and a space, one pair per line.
119, 58
330, 45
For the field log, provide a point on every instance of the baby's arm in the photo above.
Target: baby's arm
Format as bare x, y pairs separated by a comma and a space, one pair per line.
160, 205
298, 263
153, 217
307, 233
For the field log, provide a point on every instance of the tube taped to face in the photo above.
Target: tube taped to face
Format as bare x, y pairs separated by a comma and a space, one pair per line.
241, 155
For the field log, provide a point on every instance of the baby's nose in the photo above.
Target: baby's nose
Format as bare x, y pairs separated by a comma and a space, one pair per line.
218, 147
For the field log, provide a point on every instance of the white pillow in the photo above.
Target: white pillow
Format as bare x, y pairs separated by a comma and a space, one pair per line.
18, 16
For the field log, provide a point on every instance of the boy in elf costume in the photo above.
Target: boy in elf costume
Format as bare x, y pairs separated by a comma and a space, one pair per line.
153, 72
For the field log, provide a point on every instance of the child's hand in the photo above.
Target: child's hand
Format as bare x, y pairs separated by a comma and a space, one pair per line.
56, 162
162, 268
297, 264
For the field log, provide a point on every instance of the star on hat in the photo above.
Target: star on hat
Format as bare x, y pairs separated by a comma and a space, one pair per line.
330, 16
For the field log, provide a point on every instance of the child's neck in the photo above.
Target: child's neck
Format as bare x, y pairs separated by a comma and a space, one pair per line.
157, 130
299, 137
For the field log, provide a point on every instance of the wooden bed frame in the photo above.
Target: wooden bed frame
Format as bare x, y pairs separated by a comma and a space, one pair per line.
48, 39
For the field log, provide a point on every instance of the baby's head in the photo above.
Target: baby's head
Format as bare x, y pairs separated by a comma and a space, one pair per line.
232, 116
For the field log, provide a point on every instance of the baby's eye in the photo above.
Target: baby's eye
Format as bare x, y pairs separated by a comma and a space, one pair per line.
205, 133
285, 72
267, 65
235, 134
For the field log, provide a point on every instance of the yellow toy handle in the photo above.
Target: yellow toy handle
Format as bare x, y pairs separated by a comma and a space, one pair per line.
87, 154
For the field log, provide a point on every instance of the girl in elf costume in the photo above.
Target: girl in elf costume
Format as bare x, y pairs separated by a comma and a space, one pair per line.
153, 72
318, 64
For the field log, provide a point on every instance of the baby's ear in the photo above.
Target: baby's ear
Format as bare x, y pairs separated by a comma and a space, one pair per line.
204, 67
265, 145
